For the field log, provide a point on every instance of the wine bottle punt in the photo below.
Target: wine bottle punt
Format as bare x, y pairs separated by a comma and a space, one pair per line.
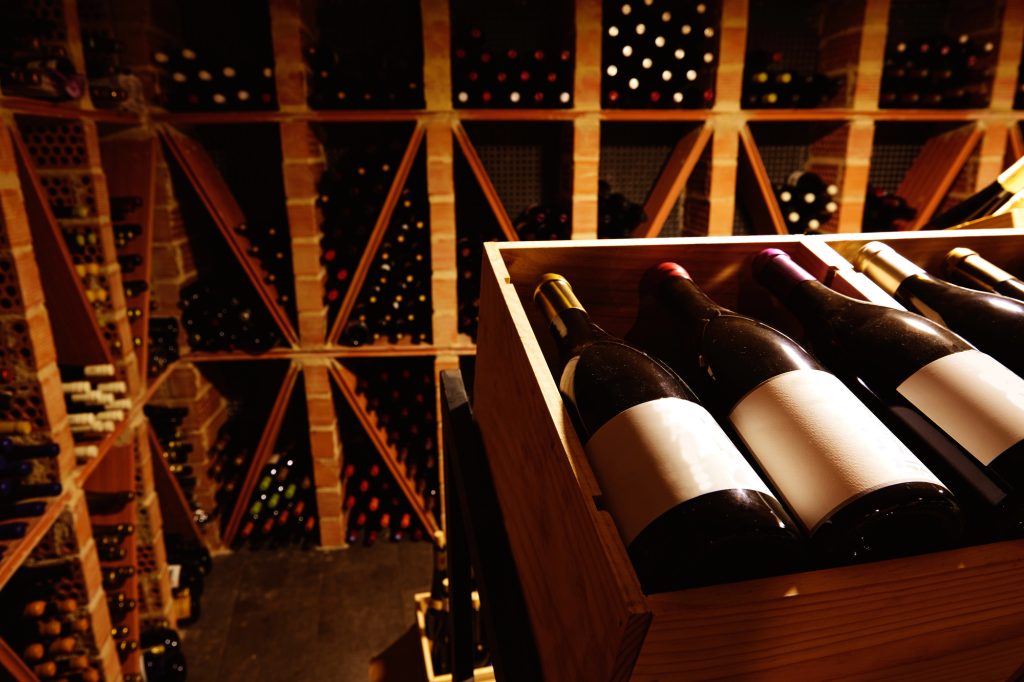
689, 508
993, 323
980, 273
958, 409
857, 491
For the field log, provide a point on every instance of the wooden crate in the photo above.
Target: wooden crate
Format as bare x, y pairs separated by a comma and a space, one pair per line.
421, 600
949, 615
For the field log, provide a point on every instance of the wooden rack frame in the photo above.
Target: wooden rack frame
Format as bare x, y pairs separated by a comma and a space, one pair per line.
724, 135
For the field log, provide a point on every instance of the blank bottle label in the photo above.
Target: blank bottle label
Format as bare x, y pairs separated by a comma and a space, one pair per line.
821, 446
657, 454
973, 398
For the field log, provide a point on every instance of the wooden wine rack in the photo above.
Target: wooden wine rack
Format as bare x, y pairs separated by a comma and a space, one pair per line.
718, 161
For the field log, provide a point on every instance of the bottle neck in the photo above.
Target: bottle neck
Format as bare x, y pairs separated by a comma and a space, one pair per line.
886, 268
569, 322
1012, 179
686, 299
975, 269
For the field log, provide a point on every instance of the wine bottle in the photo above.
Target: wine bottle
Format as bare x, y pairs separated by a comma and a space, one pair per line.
993, 323
985, 201
976, 271
962, 411
858, 492
689, 508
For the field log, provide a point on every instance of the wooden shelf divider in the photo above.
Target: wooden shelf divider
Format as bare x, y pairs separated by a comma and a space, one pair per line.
484, 181
227, 215
935, 169
380, 228
754, 185
671, 181
172, 498
265, 447
1011, 43
346, 383
11, 663
442, 363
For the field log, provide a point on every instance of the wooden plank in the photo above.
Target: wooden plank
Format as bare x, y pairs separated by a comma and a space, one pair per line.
1016, 141
442, 363
11, 663
587, 76
949, 153
346, 383
755, 187
443, 237
1011, 42
77, 336
286, 31
265, 448
586, 169
871, 63
17, 552
208, 183
486, 186
554, 493
437, 70
377, 235
324, 447
996, 136
665, 193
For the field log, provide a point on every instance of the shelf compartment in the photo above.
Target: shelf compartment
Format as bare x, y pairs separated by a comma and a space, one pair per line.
346, 382
919, 162
941, 55
365, 55
237, 37
788, 148
512, 55
660, 54
644, 175
802, 54
680, 634
367, 166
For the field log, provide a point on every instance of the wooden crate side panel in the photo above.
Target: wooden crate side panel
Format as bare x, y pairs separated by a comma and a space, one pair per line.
553, 524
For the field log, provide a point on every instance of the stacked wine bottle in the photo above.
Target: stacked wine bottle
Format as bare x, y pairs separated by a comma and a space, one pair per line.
767, 84
229, 458
938, 72
111, 86
168, 425
163, 344
340, 78
162, 655
33, 57
807, 202
191, 563
271, 247
48, 623
488, 75
193, 82
617, 215
400, 394
374, 507
659, 53
884, 211
218, 319
394, 304
351, 193
115, 547
27, 478
97, 402
282, 510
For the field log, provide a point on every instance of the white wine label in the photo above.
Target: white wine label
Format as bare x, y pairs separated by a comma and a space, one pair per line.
973, 398
657, 454
819, 445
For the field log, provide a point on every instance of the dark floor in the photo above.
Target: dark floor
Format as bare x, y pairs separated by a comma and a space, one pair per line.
280, 615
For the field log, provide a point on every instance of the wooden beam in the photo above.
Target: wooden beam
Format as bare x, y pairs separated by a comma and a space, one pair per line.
484, 180
724, 159
586, 169
754, 185
665, 193
871, 63
948, 166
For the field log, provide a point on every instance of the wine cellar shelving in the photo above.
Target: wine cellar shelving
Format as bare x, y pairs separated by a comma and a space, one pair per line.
231, 204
